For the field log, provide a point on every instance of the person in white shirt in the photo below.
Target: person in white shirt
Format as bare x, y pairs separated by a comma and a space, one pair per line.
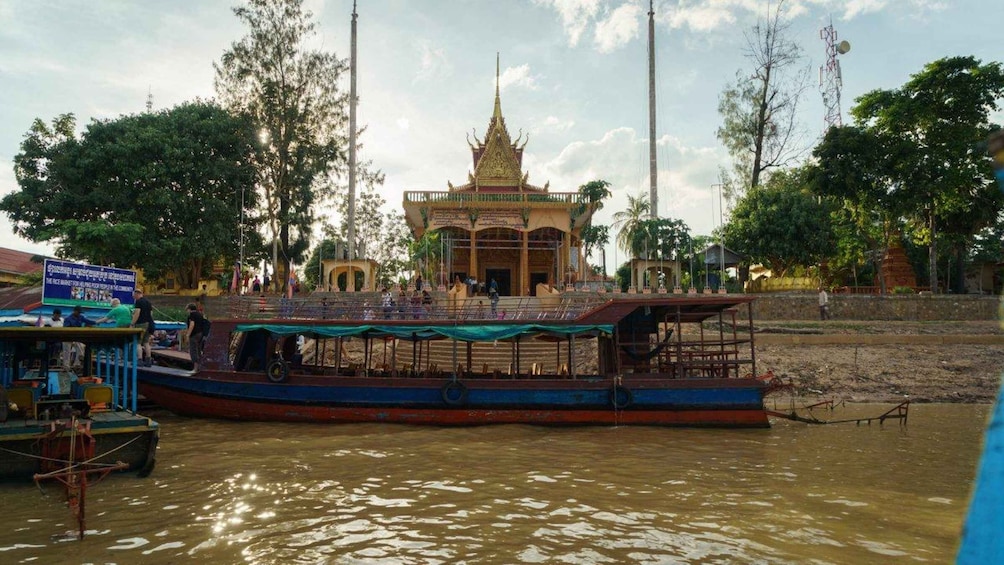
824, 304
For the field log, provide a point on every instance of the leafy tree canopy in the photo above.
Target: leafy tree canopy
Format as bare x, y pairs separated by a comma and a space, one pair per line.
930, 134
628, 221
292, 93
781, 224
161, 191
661, 238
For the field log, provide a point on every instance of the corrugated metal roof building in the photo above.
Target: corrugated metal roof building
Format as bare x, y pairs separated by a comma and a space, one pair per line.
15, 264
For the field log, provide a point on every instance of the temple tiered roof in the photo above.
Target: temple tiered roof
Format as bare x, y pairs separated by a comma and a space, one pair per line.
497, 160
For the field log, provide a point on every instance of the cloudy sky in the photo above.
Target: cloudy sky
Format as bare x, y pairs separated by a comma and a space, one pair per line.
573, 75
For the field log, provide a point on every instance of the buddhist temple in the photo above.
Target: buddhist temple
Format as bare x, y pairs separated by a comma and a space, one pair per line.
499, 226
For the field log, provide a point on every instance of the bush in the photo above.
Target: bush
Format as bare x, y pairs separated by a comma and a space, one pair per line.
902, 290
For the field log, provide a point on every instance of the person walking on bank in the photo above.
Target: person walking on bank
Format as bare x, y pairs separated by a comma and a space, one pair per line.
142, 318
196, 333
824, 304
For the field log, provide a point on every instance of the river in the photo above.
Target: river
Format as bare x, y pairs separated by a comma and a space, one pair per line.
228, 492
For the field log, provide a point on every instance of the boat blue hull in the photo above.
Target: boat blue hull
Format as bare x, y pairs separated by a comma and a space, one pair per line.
636, 399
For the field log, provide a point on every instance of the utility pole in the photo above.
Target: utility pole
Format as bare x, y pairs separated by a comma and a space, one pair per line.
350, 283
653, 165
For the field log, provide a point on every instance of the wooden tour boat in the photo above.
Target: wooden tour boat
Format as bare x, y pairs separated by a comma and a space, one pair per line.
604, 359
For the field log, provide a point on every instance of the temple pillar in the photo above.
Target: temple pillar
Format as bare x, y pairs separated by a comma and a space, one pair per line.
565, 261
474, 255
524, 266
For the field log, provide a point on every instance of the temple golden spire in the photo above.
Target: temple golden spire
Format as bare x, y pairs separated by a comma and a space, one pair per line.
497, 115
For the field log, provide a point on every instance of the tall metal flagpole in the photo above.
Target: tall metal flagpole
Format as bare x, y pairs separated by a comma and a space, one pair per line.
350, 285
653, 166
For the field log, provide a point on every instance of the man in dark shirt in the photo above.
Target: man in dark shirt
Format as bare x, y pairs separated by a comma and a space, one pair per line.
196, 333
77, 319
142, 317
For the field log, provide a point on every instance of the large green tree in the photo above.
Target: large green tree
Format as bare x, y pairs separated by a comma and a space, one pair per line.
161, 191
782, 224
850, 168
930, 132
759, 126
292, 92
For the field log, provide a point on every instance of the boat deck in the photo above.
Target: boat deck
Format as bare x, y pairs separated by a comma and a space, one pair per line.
108, 421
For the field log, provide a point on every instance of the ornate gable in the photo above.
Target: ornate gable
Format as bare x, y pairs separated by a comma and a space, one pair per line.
497, 160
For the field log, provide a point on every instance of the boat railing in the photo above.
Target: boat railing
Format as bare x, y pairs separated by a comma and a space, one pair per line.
369, 307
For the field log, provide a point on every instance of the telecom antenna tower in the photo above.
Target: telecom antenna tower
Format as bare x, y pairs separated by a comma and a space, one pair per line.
830, 79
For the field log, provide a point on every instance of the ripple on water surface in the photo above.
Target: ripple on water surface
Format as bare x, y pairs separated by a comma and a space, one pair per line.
256, 493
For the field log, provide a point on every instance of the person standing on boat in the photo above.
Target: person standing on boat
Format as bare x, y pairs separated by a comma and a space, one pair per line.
142, 317
76, 319
196, 334
74, 353
824, 304
120, 314
56, 321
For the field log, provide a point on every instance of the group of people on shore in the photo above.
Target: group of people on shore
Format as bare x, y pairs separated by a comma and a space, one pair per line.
419, 305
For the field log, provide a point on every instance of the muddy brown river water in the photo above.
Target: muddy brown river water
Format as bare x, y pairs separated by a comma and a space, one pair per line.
227, 492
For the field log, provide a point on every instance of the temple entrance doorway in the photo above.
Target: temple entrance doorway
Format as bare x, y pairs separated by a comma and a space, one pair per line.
501, 276
535, 279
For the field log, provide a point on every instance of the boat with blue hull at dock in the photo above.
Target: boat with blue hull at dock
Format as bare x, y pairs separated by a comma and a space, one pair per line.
53, 419
663, 359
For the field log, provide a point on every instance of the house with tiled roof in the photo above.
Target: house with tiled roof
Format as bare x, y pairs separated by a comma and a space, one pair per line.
16, 264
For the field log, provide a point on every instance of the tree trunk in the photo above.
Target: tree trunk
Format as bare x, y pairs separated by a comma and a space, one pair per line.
933, 252
761, 127
283, 265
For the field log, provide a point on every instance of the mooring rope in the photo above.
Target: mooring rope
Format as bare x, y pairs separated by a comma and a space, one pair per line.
88, 462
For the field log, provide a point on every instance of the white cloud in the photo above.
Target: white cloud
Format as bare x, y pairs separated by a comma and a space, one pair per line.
575, 15
403, 123
617, 29
555, 123
710, 15
433, 63
702, 17
518, 76
620, 157
854, 8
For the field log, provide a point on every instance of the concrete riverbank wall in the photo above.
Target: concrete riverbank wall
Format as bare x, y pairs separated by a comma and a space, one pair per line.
892, 307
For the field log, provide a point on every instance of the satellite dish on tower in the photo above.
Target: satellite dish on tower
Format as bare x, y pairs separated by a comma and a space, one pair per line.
843, 47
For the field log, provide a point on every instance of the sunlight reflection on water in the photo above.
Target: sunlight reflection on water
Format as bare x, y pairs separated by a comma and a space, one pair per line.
257, 493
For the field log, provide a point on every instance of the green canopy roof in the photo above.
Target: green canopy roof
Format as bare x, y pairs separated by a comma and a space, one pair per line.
487, 332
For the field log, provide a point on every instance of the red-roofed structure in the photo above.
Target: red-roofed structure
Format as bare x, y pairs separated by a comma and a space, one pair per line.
15, 264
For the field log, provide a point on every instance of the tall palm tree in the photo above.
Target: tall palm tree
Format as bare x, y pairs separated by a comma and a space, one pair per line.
629, 221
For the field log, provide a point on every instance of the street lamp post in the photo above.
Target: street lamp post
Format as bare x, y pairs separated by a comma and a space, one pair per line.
721, 240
